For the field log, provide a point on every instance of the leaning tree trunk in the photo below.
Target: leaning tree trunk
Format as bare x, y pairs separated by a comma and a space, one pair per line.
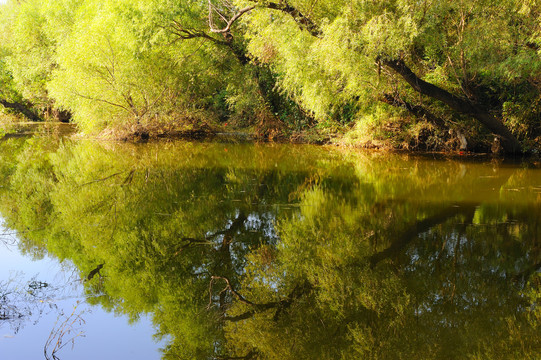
21, 109
508, 141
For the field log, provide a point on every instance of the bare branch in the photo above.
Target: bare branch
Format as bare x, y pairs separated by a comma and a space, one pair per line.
185, 34
230, 22
63, 334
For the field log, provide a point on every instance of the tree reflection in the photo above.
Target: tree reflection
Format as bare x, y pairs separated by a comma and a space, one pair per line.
403, 280
290, 253
24, 301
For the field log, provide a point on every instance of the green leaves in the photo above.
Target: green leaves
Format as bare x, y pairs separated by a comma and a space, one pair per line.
137, 66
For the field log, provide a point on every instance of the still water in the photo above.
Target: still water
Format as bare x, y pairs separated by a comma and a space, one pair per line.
248, 251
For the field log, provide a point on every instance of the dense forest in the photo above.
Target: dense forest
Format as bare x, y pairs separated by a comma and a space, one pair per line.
454, 75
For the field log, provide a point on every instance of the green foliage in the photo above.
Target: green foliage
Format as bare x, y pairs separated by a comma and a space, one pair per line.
132, 65
481, 50
117, 68
327, 255
31, 50
8, 90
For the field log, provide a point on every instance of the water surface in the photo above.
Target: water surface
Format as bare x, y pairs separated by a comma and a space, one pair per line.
252, 251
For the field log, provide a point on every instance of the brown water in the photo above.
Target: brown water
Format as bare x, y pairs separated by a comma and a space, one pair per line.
246, 251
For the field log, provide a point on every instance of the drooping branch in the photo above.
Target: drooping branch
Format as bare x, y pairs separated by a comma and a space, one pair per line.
509, 143
21, 109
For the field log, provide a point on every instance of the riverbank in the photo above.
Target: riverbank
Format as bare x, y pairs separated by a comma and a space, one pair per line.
394, 136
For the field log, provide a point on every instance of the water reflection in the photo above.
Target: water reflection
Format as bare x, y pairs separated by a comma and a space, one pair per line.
242, 251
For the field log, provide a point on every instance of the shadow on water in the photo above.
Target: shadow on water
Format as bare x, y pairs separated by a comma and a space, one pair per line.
251, 251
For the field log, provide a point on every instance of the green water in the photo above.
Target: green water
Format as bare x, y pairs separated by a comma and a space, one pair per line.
243, 251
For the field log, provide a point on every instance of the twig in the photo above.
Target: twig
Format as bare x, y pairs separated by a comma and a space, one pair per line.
231, 21
58, 334
99, 180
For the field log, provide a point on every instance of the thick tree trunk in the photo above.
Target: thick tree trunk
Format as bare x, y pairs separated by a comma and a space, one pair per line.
421, 112
303, 21
21, 109
508, 141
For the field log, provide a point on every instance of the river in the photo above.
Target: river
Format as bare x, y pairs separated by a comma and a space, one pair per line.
234, 250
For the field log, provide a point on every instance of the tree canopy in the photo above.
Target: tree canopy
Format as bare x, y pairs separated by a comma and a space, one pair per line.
434, 72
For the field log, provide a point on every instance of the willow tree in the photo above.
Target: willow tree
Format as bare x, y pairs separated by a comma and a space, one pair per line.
10, 98
257, 97
10, 94
447, 62
30, 38
112, 68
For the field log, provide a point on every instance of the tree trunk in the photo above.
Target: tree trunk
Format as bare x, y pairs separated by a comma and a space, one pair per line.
302, 20
416, 110
21, 109
508, 141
